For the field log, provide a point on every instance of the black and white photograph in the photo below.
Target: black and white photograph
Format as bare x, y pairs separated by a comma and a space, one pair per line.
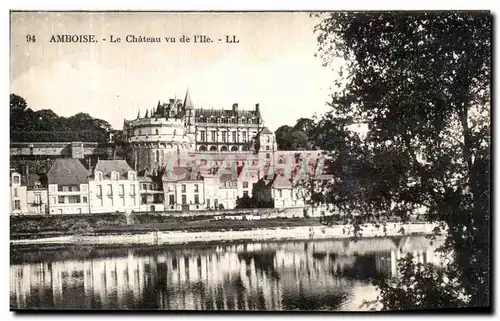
277, 161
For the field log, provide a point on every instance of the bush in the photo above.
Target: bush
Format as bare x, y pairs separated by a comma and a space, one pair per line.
81, 227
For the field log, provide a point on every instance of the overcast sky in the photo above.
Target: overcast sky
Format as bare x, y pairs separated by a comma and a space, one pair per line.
273, 64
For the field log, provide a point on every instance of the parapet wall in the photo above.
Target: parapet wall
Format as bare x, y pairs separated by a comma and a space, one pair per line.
77, 150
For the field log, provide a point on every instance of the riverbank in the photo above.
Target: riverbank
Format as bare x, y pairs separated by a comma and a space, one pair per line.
308, 232
30, 227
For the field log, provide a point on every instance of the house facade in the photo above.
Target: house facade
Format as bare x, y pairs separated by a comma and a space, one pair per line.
68, 187
151, 191
36, 195
18, 203
184, 190
114, 187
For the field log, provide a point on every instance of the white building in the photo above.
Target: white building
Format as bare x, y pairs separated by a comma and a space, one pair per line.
184, 190
18, 204
285, 194
114, 187
68, 182
36, 195
228, 191
267, 140
151, 192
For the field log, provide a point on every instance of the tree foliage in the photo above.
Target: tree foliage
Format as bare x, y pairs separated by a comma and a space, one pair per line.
421, 82
296, 137
44, 125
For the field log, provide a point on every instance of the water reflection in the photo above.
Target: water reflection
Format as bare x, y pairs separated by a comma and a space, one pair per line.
312, 275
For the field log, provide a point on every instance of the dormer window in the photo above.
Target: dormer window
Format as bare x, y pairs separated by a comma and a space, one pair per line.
98, 176
16, 179
37, 185
131, 176
115, 176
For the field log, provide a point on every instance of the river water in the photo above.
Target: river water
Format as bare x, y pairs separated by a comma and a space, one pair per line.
332, 275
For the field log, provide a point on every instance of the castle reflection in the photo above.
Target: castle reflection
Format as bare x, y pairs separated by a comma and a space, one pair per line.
263, 276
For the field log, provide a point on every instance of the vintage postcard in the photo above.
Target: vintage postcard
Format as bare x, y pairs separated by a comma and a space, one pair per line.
250, 161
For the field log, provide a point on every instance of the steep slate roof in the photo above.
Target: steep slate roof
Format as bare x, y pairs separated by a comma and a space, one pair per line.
188, 104
67, 171
107, 166
266, 131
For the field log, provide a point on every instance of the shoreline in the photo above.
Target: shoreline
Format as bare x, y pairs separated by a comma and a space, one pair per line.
311, 232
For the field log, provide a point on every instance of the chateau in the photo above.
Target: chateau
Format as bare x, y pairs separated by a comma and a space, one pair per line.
177, 127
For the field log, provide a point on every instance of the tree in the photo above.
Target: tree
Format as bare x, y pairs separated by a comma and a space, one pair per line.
17, 103
421, 81
44, 125
17, 112
305, 125
288, 138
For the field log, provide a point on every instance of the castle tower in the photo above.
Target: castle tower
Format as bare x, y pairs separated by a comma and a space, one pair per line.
157, 139
189, 111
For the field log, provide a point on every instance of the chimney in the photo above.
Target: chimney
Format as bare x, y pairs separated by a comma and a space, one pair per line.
235, 107
257, 109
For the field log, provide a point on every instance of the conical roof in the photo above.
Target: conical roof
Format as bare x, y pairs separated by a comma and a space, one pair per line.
188, 104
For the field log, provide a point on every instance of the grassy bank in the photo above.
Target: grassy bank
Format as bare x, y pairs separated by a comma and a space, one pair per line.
49, 226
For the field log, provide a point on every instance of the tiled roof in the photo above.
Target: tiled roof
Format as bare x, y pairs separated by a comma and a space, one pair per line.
282, 182
67, 171
266, 131
181, 174
107, 166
